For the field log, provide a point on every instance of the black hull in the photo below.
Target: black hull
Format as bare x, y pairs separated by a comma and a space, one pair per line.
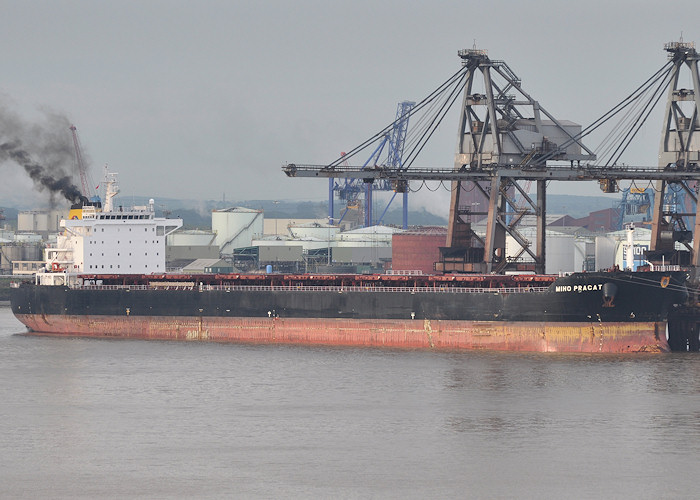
584, 301
575, 298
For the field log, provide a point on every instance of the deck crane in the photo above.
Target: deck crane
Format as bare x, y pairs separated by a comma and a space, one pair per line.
85, 179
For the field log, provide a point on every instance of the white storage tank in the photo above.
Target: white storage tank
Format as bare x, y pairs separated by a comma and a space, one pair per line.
605, 248
314, 230
32, 221
368, 236
191, 238
40, 221
564, 253
236, 227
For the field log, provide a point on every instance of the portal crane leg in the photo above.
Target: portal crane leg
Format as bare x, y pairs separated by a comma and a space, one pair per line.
541, 226
495, 242
696, 239
454, 220
658, 222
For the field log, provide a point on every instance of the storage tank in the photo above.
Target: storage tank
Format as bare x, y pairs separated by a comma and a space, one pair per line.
605, 247
368, 236
191, 238
33, 251
564, 253
32, 221
314, 230
236, 227
10, 252
560, 254
40, 221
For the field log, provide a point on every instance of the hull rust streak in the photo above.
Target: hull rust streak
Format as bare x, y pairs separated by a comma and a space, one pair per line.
613, 337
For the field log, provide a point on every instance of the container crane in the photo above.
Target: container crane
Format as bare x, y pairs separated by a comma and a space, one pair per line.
391, 146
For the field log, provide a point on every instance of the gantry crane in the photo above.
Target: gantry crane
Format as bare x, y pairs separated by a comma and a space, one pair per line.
387, 153
505, 136
679, 151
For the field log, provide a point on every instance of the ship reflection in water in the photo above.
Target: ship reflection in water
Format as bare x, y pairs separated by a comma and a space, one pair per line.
183, 420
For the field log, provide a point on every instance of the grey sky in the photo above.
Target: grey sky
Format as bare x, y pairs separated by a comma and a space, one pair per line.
196, 99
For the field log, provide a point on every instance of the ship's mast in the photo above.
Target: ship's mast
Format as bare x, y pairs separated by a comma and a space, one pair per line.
111, 190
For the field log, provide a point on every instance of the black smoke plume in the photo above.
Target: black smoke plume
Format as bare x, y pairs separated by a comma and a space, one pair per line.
43, 149
63, 185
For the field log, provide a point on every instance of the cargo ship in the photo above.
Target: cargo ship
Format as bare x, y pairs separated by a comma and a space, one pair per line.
582, 312
105, 277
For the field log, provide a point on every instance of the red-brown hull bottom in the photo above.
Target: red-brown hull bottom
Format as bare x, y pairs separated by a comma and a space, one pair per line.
430, 334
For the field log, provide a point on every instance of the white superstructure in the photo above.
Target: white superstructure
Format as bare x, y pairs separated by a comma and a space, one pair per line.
115, 240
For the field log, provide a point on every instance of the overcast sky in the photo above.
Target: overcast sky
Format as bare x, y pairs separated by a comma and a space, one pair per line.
210, 98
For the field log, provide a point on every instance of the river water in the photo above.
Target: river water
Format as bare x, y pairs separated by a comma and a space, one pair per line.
84, 418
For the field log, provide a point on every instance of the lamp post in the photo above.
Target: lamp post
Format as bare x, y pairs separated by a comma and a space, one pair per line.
275, 203
330, 221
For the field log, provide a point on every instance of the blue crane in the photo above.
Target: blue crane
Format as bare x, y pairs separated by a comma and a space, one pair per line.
388, 153
637, 204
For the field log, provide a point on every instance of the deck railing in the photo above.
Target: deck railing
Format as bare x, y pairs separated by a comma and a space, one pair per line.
332, 289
